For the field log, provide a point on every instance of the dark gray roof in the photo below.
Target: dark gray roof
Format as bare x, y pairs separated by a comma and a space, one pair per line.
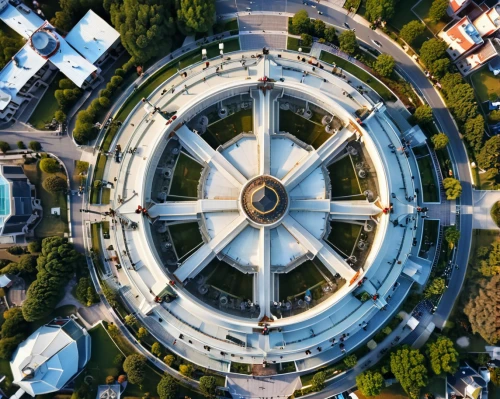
264, 199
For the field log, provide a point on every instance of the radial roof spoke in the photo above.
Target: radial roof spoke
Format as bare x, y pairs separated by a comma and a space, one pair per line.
264, 274
202, 257
328, 150
200, 150
189, 210
353, 210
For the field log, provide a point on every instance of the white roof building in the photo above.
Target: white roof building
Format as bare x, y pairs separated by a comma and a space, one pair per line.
20, 18
50, 357
92, 36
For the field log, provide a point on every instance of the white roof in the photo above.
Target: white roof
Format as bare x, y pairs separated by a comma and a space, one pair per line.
92, 36
52, 357
4, 280
23, 23
277, 386
13, 78
72, 64
5, 98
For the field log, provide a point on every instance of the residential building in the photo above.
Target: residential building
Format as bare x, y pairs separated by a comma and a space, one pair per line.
467, 383
456, 6
489, 51
50, 357
19, 209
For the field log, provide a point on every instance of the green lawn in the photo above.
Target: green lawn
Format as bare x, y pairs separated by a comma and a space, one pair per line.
403, 15
430, 234
186, 177
343, 236
299, 280
225, 129
309, 132
343, 177
98, 175
185, 237
361, 74
430, 187
105, 196
103, 352
231, 24
95, 232
50, 225
422, 10
485, 84
293, 43
47, 107
228, 279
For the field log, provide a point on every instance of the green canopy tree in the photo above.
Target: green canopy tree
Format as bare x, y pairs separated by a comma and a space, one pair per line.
348, 42
491, 266
370, 383
423, 114
156, 349
432, 50
408, 366
318, 381
482, 310
379, 10
438, 9
135, 367
146, 26
331, 35
301, 22
208, 384
306, 39
452, 235
49, 165
411, 31
440, 141
351, 361
489, 155
168, 387
14, 323
384, 65
319, 28
436, 287
440, 67
443, 356
195, 15
452, 188
474, 132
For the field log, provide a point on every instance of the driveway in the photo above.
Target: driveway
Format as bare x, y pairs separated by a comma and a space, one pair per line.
481, 217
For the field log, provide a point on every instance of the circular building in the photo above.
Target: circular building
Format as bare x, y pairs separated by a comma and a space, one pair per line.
258, 220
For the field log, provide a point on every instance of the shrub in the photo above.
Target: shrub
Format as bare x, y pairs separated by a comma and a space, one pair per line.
34, 247
105, 93
116, 81
49, 165
81, 167
208, 385
169, 360
318, 381
120, 72
15, 250
307, 40
60, 116
135, 367
34, 146
186, 370
167, 388
55, 184
20, 145
4, 147
104, 102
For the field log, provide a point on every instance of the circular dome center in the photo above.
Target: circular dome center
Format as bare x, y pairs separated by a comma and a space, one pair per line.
264, 200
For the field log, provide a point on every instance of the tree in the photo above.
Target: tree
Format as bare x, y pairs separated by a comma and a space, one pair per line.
85, 292
452, 188
494, 116
95, 105
4, 147
423, 115
34, 146
411, 31
208, 384
370, 383
130, 320
348, 43
142, 333
440, 141
440, 67
488, 157
474, 132
331, 35
156, 349
438, 9
49, 165
379, 10
408, 366
491, 266
195, 15
443, 356
462, 102
436, 287
495, 375
452, 235
26, 266
55, 184
60, 116
301, 22
384, 65
186, 370
306, 39
135, 367
146, 26
351, 361
15, 250
21, 145
482, 310
34, 247
432, 50
113, 330
14, 323
9, 345
118, 360
167, 387
104, 102
169, 360
318, 381
319, 28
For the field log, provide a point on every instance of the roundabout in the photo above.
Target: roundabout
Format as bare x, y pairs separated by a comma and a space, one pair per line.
233, 240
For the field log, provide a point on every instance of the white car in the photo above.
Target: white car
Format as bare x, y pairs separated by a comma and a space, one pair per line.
376, 43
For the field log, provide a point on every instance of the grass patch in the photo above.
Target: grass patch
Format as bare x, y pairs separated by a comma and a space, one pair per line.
309, 132
428, 178
106, 196
186, 176
299, 280
228, 279
343, 236
361, 74
403, 15
486, 85
230, 24
422, 10
47, 106
229, 127
430, 236
98, 175
293, 43
342, 172
50, 225
185, 237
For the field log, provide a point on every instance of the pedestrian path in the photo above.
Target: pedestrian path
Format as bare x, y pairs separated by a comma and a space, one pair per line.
483, 201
